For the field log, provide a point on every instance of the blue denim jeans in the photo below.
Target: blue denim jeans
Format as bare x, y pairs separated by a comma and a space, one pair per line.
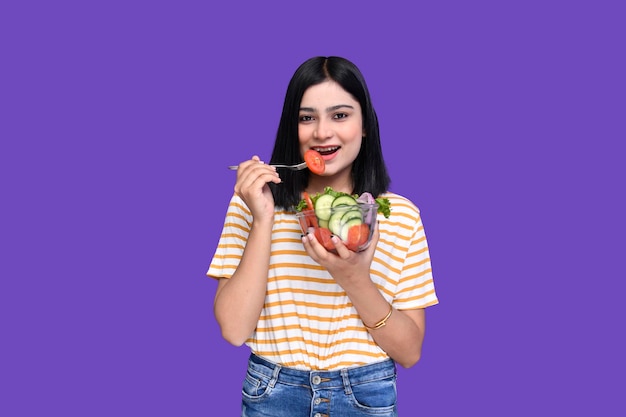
272, 390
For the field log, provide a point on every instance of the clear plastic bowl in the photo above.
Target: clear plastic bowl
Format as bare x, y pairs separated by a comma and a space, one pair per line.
353, 224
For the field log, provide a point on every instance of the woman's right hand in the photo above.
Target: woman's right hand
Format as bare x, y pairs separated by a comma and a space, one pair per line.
239, 299
253, 177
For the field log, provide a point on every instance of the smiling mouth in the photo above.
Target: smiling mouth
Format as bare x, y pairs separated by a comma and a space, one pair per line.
326, 150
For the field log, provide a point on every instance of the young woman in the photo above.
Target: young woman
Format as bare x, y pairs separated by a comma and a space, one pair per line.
325, 329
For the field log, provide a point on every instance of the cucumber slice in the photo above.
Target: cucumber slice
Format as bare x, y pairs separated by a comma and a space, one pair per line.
335, 223
323, 205
343, 234
342, 214
344, 200
350, 214
323, 223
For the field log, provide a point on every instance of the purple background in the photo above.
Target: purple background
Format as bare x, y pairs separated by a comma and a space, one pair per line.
501, 120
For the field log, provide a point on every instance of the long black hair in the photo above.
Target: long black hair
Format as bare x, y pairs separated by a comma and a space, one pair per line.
369, 172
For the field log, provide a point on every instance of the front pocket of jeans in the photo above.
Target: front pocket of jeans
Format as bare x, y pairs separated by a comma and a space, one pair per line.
254, 387
376, 395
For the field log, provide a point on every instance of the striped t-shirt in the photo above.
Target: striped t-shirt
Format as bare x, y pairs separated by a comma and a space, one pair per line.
308, 321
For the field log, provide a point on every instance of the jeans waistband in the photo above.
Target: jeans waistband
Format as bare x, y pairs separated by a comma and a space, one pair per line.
321, 379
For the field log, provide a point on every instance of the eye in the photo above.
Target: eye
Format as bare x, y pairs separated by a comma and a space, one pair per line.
305, 118
340, 115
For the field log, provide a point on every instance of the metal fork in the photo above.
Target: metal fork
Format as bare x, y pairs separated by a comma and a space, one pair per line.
297, 167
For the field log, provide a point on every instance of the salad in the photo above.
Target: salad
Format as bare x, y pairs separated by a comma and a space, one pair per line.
348, 216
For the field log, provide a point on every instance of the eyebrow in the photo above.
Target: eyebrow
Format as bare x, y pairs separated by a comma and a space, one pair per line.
328, 109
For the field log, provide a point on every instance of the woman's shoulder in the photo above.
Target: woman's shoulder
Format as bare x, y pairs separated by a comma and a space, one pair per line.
400, 202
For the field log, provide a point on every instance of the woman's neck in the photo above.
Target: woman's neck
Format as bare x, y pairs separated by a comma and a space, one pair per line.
341, 183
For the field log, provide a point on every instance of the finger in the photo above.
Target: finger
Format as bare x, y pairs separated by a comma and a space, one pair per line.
254, 176
242, 165
259, 173
245, 166
340, 247
314, 248
308, 246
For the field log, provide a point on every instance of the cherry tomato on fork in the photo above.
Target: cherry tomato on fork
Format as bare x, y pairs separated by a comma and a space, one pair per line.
314, 161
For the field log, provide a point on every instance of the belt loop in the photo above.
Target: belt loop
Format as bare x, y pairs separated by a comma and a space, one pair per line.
346, 381
275, 375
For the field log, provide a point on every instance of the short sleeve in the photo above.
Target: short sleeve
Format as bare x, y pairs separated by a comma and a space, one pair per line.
232, 241
416, 287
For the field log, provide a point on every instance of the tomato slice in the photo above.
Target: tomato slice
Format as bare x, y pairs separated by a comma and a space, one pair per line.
307, 198
311, 218
304, 222
314, 161
357, 236
323, 235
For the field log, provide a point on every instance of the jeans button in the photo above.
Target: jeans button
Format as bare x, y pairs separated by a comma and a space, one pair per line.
317, 379
317, 401
317, 415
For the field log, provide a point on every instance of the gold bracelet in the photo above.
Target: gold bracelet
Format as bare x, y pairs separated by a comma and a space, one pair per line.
381, 323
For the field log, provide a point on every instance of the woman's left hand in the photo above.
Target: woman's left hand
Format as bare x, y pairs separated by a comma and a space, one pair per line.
347, 267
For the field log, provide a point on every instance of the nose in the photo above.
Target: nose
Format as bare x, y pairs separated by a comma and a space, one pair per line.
322, 130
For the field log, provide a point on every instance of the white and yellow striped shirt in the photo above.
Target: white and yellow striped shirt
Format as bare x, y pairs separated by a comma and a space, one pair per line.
308, 321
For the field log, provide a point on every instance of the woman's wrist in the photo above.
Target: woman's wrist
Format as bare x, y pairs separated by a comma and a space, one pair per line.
381, 323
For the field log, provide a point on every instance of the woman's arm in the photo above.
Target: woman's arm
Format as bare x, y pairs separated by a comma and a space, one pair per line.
239, 299
402, 334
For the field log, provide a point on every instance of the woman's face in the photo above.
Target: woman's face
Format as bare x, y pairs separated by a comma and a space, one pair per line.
330, 122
